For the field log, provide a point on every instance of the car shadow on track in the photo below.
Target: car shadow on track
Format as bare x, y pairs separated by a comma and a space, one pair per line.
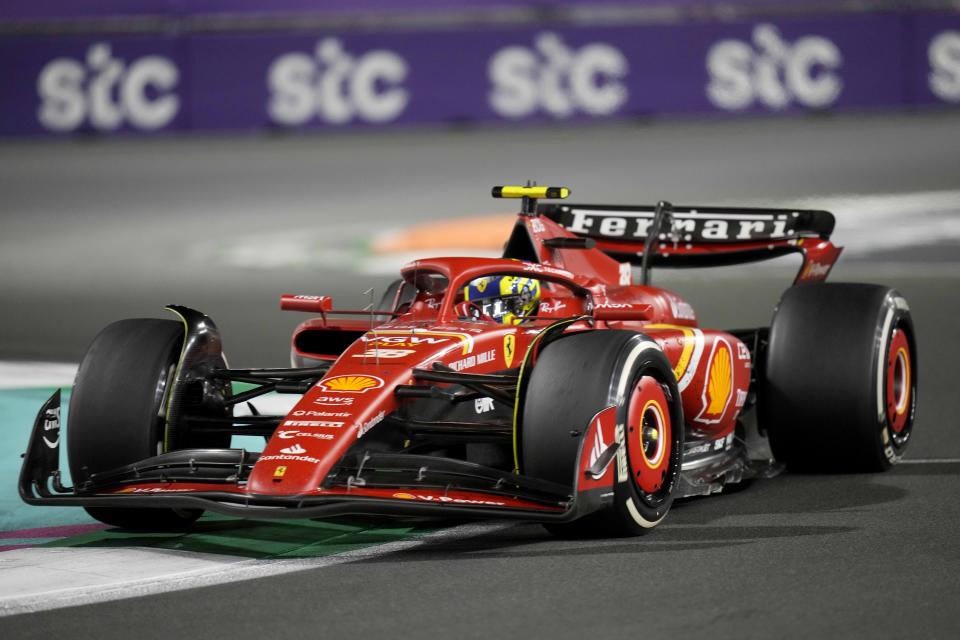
773, 509
519, 541
791, 494
690, 526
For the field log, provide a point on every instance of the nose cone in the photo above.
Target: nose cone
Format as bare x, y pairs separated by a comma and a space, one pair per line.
321, 428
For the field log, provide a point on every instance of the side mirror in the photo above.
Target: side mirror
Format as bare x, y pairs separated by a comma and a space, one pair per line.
310, 304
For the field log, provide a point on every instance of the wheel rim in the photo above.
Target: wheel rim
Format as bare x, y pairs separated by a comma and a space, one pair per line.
649, 436
900, 393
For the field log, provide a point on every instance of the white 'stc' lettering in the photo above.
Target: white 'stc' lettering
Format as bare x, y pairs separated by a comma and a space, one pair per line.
107, 91
555, 79
944, 56
773, 72
337, 86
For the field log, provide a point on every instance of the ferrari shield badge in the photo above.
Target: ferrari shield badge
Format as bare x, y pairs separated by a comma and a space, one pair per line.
509, 347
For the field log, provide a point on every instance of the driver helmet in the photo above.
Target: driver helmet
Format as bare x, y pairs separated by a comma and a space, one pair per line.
506, 299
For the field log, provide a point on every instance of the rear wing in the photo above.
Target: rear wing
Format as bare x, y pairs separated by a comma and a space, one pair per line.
705, 236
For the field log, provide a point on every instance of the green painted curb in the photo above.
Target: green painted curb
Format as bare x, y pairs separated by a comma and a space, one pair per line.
214, 534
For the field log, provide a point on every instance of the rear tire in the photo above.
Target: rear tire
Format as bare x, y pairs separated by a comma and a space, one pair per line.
581, 374
118, 411
839, 391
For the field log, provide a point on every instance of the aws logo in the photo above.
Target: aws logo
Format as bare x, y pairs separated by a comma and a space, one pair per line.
719, 384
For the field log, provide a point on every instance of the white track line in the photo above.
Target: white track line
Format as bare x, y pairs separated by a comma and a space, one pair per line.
32, 375
932, 461
111, 568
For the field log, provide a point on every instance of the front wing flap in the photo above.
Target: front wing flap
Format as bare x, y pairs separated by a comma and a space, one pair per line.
375, 484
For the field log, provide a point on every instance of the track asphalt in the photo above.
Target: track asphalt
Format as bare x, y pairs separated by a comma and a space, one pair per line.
97, 231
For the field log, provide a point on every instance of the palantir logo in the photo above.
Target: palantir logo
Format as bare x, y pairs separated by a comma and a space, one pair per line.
106, 91
944, 56
337, 86
552, 77
774, 72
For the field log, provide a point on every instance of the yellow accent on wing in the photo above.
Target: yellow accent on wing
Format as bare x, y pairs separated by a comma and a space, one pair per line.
176, 374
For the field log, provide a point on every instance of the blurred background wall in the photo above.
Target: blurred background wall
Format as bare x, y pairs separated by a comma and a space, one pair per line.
108, 66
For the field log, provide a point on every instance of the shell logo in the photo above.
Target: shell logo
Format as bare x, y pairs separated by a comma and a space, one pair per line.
405, 496
351, 384
719, 384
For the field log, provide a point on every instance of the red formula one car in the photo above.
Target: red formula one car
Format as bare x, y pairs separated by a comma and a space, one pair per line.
544, 385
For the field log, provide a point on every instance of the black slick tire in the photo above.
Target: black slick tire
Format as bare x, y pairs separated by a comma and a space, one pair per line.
117, 411
839, 386
574, 378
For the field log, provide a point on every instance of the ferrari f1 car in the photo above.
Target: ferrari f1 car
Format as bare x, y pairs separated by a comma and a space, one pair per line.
544, 385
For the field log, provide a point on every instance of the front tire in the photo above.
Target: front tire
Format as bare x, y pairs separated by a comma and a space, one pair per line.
118, 411
840, 385
581, 374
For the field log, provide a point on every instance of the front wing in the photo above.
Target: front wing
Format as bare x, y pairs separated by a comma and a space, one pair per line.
371, 484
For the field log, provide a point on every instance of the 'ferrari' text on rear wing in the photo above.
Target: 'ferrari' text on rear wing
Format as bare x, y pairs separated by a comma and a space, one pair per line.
704, 236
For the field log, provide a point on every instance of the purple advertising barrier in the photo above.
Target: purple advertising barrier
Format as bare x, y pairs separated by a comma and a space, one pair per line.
520, 74
92, 85
323, 79
934, 60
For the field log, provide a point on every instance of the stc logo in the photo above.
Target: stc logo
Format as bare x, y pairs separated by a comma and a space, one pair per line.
336, 86
107, 92
774, 72
944, 56
553, 78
